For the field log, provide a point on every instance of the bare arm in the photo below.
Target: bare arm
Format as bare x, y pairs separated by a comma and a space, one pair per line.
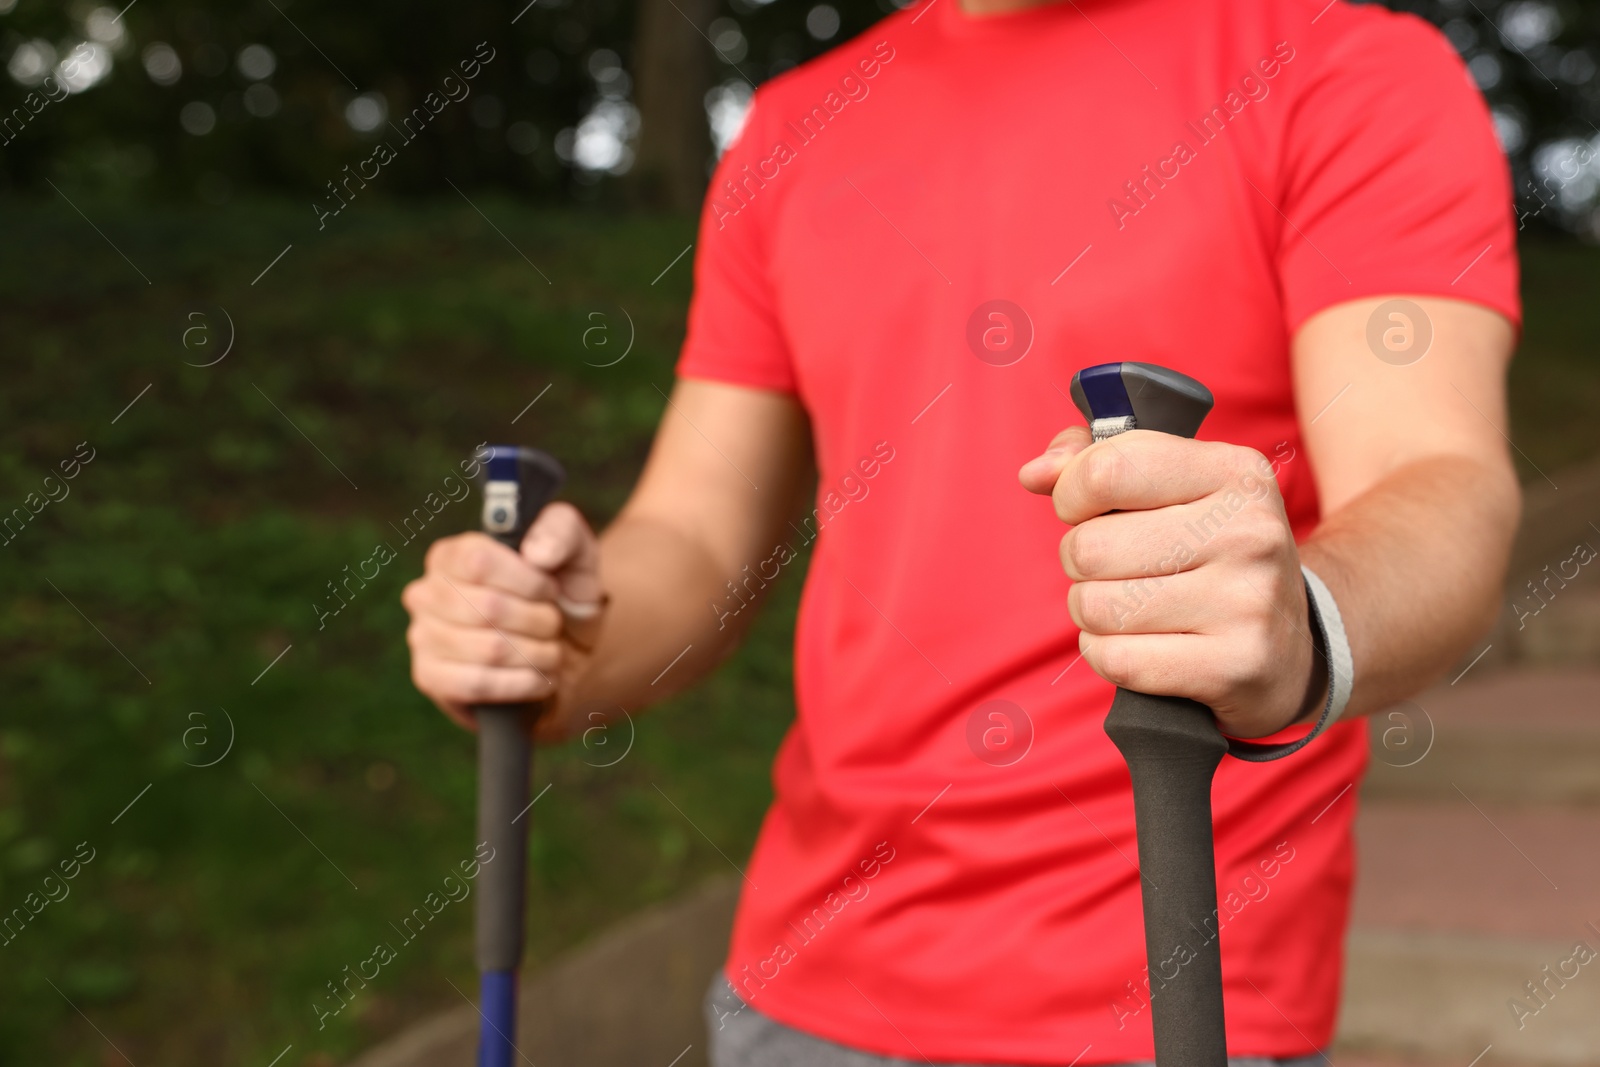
727, 470
1419, 497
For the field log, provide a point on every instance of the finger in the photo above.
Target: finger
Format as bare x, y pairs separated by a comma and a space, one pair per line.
560, 542
1194, 602
474, 605
478, 559
476, 645
1039, 474
1180, 665
1127, 545
462, 685
1140, 470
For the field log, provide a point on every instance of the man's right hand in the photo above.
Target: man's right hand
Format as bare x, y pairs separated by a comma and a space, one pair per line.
493, 626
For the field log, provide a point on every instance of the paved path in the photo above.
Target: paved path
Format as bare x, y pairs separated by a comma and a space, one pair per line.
1479, 865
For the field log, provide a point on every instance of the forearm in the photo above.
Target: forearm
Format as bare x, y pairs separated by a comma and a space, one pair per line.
661, 631
1416, 564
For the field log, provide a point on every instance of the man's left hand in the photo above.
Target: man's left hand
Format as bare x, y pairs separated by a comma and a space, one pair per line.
1186, 578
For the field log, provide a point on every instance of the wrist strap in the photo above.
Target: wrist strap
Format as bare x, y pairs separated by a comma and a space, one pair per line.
1329, 640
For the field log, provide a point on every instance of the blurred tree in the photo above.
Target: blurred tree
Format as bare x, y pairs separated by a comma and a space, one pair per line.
672, 71
202, 98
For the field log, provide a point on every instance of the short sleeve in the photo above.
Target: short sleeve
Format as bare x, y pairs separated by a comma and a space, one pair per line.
1393, 179
734, 333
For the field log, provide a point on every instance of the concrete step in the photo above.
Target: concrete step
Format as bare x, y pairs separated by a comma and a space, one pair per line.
1512, 737
1446, 998
630, 998
1458, 904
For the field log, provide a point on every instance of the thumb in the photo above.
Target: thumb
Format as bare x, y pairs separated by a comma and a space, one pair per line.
1039, 474
561, 544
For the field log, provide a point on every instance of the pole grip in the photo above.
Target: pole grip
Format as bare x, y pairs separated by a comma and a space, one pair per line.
517, 483
1172, 748
505, 763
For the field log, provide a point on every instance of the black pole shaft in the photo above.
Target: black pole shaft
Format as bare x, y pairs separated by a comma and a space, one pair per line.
1172, 747
505, 763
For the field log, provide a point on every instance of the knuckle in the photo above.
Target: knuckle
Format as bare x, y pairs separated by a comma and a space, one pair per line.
1252, 660
1082, 552
415, 638
1115, 661
476, 563
545, 620
1100, 473
479, 686
1245, 459
564, 516
493, 608
1256, 536
1093, 608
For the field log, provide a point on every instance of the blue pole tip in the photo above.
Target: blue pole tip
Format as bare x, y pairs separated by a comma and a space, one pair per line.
497, 1008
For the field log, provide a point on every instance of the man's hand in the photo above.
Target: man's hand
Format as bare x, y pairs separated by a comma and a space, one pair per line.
1186, 578
488, 625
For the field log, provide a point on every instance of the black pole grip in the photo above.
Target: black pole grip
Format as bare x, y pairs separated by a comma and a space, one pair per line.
1172, 747
505, 762
517, 484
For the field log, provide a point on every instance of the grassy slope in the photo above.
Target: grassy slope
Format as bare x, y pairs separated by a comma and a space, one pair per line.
198, 539
206, 526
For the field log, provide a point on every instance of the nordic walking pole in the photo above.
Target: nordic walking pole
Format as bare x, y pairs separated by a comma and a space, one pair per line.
518, 482
1172, 747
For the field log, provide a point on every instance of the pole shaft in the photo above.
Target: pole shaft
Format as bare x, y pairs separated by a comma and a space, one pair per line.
1172, 747
505, 760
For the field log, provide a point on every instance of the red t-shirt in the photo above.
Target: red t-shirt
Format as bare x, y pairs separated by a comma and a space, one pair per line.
1180, 182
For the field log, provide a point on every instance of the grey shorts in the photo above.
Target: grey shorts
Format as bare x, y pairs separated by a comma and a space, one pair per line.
740, 1036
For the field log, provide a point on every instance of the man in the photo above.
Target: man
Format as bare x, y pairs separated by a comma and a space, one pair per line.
913, 245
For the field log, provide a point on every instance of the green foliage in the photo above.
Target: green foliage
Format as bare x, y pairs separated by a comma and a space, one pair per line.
139, 612
286, 130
